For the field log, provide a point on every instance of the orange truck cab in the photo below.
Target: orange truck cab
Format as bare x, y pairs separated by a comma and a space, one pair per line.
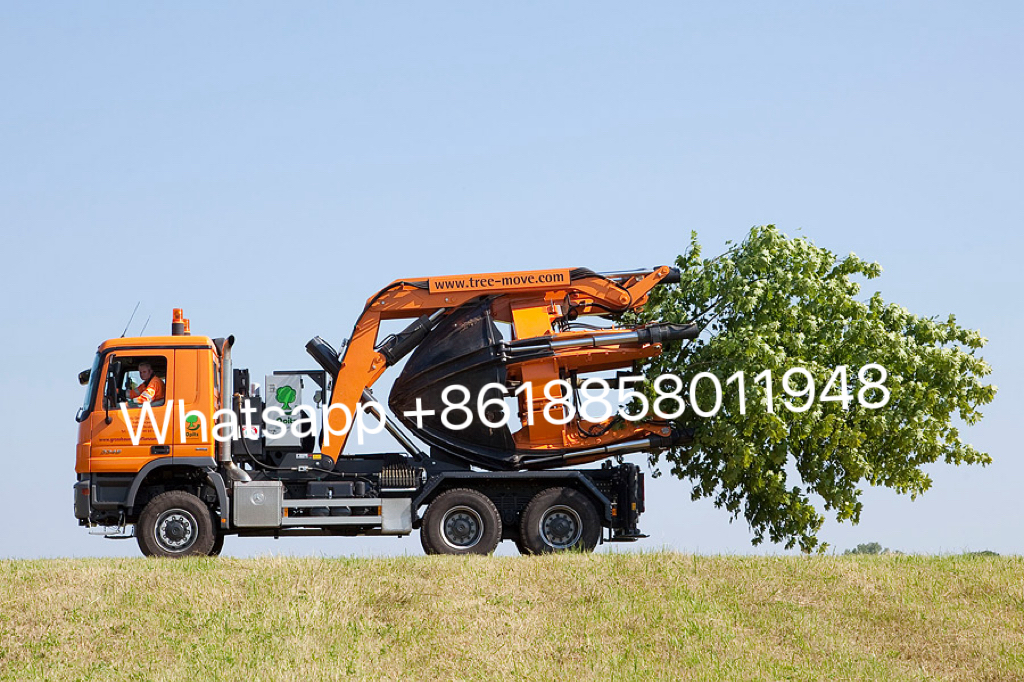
214, 457
118, 474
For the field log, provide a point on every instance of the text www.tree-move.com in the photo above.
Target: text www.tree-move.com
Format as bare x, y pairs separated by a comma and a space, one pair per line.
475, 282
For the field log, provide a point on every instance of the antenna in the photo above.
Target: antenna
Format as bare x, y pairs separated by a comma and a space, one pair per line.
130, 319
145, 325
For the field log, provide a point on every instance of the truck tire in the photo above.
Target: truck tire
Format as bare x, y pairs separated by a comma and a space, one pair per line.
559, 520
521, 547
175, 524
218, 544
460, 521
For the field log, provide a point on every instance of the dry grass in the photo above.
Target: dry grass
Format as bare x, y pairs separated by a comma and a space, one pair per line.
625, 616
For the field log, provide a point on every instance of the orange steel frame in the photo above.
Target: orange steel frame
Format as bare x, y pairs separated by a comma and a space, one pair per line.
530, 301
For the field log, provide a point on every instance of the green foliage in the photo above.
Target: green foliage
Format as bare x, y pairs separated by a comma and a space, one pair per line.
867, 548
774, 303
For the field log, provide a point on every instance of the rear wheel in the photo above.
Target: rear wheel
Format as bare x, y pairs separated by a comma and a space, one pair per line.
175, 524
521, 547
461, 521
559, 520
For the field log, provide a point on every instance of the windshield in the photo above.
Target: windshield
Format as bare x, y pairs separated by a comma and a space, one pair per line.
90, 390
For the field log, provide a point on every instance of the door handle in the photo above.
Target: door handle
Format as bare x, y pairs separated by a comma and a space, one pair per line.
160, 450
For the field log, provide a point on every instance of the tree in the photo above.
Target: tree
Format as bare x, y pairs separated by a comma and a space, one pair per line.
868, 548
774, 303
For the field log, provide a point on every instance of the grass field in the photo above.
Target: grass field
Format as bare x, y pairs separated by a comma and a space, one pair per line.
612, 616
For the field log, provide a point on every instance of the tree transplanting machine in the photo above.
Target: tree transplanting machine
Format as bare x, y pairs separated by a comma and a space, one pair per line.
479, 480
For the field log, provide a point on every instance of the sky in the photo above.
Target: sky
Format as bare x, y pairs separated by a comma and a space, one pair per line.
269, 166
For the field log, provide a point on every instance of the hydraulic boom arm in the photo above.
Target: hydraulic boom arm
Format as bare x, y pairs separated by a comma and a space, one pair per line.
454, 332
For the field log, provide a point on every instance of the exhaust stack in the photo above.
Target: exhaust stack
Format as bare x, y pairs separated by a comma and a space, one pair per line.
227, 390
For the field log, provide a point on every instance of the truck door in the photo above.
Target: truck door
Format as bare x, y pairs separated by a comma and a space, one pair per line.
197, 389
133, 378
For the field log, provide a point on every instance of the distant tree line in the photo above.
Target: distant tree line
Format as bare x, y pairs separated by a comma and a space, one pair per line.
876, 548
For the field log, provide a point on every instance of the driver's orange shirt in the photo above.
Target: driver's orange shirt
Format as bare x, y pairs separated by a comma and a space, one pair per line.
154, 391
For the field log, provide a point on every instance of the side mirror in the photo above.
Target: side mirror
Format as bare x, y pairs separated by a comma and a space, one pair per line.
83, 376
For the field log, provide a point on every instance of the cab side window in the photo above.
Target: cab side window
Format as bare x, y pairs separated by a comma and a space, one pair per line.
142, 380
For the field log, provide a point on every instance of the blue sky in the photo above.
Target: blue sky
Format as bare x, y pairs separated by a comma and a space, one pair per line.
268, 166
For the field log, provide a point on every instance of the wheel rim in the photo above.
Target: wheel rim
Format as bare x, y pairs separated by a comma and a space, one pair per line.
462, 527
561, 527
176, 530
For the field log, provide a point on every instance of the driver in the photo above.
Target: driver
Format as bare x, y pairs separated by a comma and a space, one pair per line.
150, 390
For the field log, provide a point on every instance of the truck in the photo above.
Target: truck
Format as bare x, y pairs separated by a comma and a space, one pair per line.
493, 368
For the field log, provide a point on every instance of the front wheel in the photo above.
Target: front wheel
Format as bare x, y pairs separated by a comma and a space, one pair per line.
175, 524
559, 520
461, 521
218, 544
